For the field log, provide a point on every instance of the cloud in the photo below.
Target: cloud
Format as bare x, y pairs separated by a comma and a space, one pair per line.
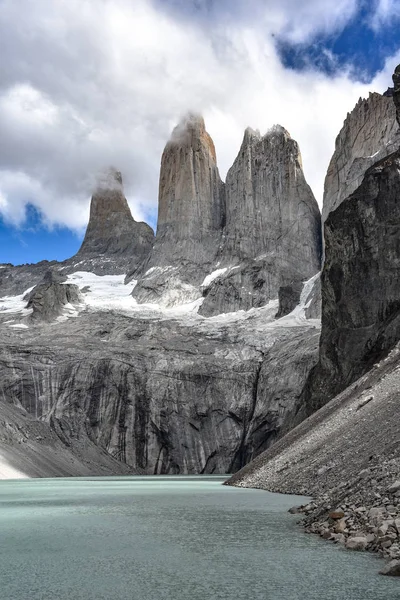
386, 11
103, 82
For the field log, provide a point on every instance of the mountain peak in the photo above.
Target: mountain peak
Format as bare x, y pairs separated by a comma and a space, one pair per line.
112, 230
191, 132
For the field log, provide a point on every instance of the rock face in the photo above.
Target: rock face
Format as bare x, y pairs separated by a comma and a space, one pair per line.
369, 133
112, 232
161, 395
360, 292
272, 236
396, 91
191, 216
47, 300
289, 298
235, 244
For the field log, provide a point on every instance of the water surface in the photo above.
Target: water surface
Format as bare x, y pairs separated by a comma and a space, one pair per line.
168, 538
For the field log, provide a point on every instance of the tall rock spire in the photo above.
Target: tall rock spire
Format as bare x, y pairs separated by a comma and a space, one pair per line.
272, 236
191, 215
112, 232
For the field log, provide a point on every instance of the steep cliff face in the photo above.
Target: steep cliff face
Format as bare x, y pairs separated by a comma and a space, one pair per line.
396, 91
191, 215
360, 291
159, 393
369, 133
272, 236
112, 232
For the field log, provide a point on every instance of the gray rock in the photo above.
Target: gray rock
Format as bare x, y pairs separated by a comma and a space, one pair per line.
112, 234
191, 215
47, 300
396, 91
356, 543
394, 487
369, 133
160, 395
272, 236
360, 295
289, 298
391, 569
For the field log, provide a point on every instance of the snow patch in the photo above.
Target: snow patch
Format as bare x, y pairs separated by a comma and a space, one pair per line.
212, 276
298, 314
15, 304
8, 472
105, 292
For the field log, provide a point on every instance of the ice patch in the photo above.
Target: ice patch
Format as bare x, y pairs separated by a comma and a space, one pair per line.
15, 304
298, 314
105, 292
212, 276
19, 326
157, 270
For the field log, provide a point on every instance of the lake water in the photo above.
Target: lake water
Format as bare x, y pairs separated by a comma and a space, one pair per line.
169, 538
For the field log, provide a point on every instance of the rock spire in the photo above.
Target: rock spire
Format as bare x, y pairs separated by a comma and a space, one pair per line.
191, 214
112, 232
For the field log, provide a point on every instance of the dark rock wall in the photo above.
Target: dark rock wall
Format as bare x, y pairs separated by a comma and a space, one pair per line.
360, 283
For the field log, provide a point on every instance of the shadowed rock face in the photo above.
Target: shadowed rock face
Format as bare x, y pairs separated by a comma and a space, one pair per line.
272, 236
369, 133
191, 214
360, 290
112, 232
160, 395
396, 91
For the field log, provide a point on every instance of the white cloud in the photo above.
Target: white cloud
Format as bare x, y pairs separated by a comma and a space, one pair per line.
385, 11
103, 82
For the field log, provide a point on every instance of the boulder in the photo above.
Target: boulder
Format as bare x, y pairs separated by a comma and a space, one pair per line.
391, 569
356, 543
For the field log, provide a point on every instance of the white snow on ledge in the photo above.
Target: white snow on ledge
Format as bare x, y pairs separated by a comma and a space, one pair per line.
212, 276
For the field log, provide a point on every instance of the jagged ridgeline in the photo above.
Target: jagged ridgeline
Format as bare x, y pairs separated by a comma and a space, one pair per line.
236, 243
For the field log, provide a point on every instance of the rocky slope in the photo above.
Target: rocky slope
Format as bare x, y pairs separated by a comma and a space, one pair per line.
347, 457
369, 133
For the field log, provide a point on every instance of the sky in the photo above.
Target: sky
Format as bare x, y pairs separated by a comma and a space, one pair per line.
85, 84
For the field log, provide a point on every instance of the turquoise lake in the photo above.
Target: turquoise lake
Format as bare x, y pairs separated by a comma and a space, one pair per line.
169, 538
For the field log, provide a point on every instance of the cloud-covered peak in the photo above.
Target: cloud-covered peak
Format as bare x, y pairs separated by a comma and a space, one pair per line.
86, 85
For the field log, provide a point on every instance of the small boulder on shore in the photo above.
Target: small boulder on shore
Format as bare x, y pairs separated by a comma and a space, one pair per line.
392, 569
